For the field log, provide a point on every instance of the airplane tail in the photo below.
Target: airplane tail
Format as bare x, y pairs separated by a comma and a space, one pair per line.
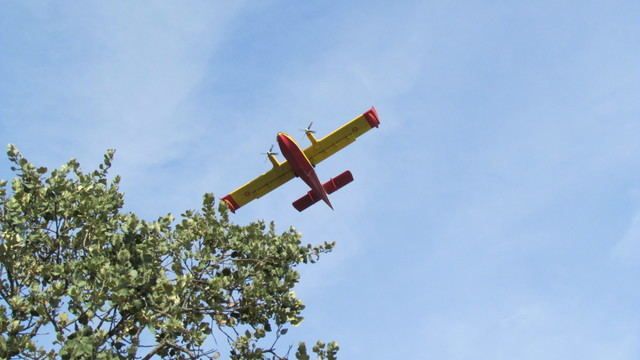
329, 187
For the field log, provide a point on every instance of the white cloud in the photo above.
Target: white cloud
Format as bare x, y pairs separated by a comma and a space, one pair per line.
530, 330
151, 60
121, 75
627, 249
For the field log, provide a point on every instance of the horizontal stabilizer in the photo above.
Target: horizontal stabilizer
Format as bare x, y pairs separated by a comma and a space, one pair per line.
330, 186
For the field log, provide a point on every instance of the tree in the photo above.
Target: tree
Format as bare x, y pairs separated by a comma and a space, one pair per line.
81, 279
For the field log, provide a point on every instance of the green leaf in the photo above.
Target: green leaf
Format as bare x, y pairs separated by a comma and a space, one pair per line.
77, 255
301, 353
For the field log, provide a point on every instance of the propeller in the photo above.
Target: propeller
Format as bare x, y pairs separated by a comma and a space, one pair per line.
308, 129
270, 152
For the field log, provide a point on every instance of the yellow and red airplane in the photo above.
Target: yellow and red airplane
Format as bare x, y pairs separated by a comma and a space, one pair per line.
300, 163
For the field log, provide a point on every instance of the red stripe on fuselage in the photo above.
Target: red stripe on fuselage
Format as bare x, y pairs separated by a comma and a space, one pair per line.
301, 165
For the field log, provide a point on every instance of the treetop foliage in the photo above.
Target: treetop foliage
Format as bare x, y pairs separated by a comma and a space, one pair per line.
81, 279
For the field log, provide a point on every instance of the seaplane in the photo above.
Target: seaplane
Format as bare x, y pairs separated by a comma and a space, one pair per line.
301, 163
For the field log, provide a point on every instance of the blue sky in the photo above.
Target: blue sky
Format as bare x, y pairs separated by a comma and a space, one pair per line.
495, 214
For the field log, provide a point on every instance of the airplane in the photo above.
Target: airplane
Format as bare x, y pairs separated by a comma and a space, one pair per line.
301, 163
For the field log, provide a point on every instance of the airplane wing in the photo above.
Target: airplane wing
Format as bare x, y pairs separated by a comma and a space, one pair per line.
341, 137
259, 186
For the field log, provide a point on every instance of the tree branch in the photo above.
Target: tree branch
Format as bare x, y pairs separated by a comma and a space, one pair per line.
155, 350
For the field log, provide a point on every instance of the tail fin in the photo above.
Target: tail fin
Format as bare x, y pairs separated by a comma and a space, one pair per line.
330, 186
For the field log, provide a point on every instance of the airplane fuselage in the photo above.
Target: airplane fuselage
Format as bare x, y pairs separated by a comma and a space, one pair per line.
301, 165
